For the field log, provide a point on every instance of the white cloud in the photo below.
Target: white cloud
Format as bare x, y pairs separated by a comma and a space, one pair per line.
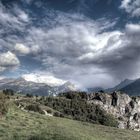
21, 49
2, 77
132, 7
48, 79
23, 16
8, 60
125, 4
132, 28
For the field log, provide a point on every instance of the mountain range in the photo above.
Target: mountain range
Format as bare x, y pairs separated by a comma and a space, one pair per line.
130, 87
121, 85
21, 85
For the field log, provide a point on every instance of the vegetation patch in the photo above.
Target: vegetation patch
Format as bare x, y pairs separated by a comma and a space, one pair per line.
75, 106
35, 108
3, 105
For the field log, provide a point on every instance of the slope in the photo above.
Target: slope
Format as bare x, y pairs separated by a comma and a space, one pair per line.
20, 125
121, 85
132, 89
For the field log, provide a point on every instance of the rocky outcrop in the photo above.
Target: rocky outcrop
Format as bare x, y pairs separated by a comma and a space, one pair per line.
123, 107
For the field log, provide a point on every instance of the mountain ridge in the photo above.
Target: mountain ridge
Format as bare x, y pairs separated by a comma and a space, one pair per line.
23, 86
132, 89
121, 85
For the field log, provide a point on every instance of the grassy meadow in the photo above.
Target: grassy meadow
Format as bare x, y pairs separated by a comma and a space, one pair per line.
21, 125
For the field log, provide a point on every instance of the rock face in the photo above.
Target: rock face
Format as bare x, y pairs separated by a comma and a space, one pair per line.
123, 107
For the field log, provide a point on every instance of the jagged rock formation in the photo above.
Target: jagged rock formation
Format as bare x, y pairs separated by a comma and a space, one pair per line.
125, 108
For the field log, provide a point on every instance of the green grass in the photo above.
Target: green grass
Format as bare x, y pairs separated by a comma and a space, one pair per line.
20, 125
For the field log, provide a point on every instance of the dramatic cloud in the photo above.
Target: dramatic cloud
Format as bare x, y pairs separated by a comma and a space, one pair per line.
69, 46
85, 50
15, 19
13, 23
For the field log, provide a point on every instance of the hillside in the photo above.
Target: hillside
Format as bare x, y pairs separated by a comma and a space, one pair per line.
20, 125
132, 89
120, 86
69, 116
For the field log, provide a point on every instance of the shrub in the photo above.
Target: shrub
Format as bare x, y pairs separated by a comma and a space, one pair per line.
74, 95
77, 107
35, 108
8, 92
29, 95
49, 111
37, 137
3, 104
58, 114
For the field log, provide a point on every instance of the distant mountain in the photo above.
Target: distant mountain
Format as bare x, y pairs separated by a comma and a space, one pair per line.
132, 89
121, 85
23, 86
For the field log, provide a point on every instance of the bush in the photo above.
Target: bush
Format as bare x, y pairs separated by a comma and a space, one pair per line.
58, 114
37, 137
49, 111
74, 95
9, 92
35, 108
77, 107
3, 104
29, 95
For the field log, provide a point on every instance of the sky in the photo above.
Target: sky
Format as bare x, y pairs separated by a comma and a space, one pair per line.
88, 42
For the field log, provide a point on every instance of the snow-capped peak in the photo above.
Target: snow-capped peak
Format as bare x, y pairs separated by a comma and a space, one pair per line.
47, 79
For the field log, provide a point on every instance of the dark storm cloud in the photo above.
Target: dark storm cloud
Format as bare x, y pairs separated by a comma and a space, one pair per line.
121, 55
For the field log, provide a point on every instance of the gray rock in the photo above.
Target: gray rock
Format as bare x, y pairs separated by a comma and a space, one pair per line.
123, 107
